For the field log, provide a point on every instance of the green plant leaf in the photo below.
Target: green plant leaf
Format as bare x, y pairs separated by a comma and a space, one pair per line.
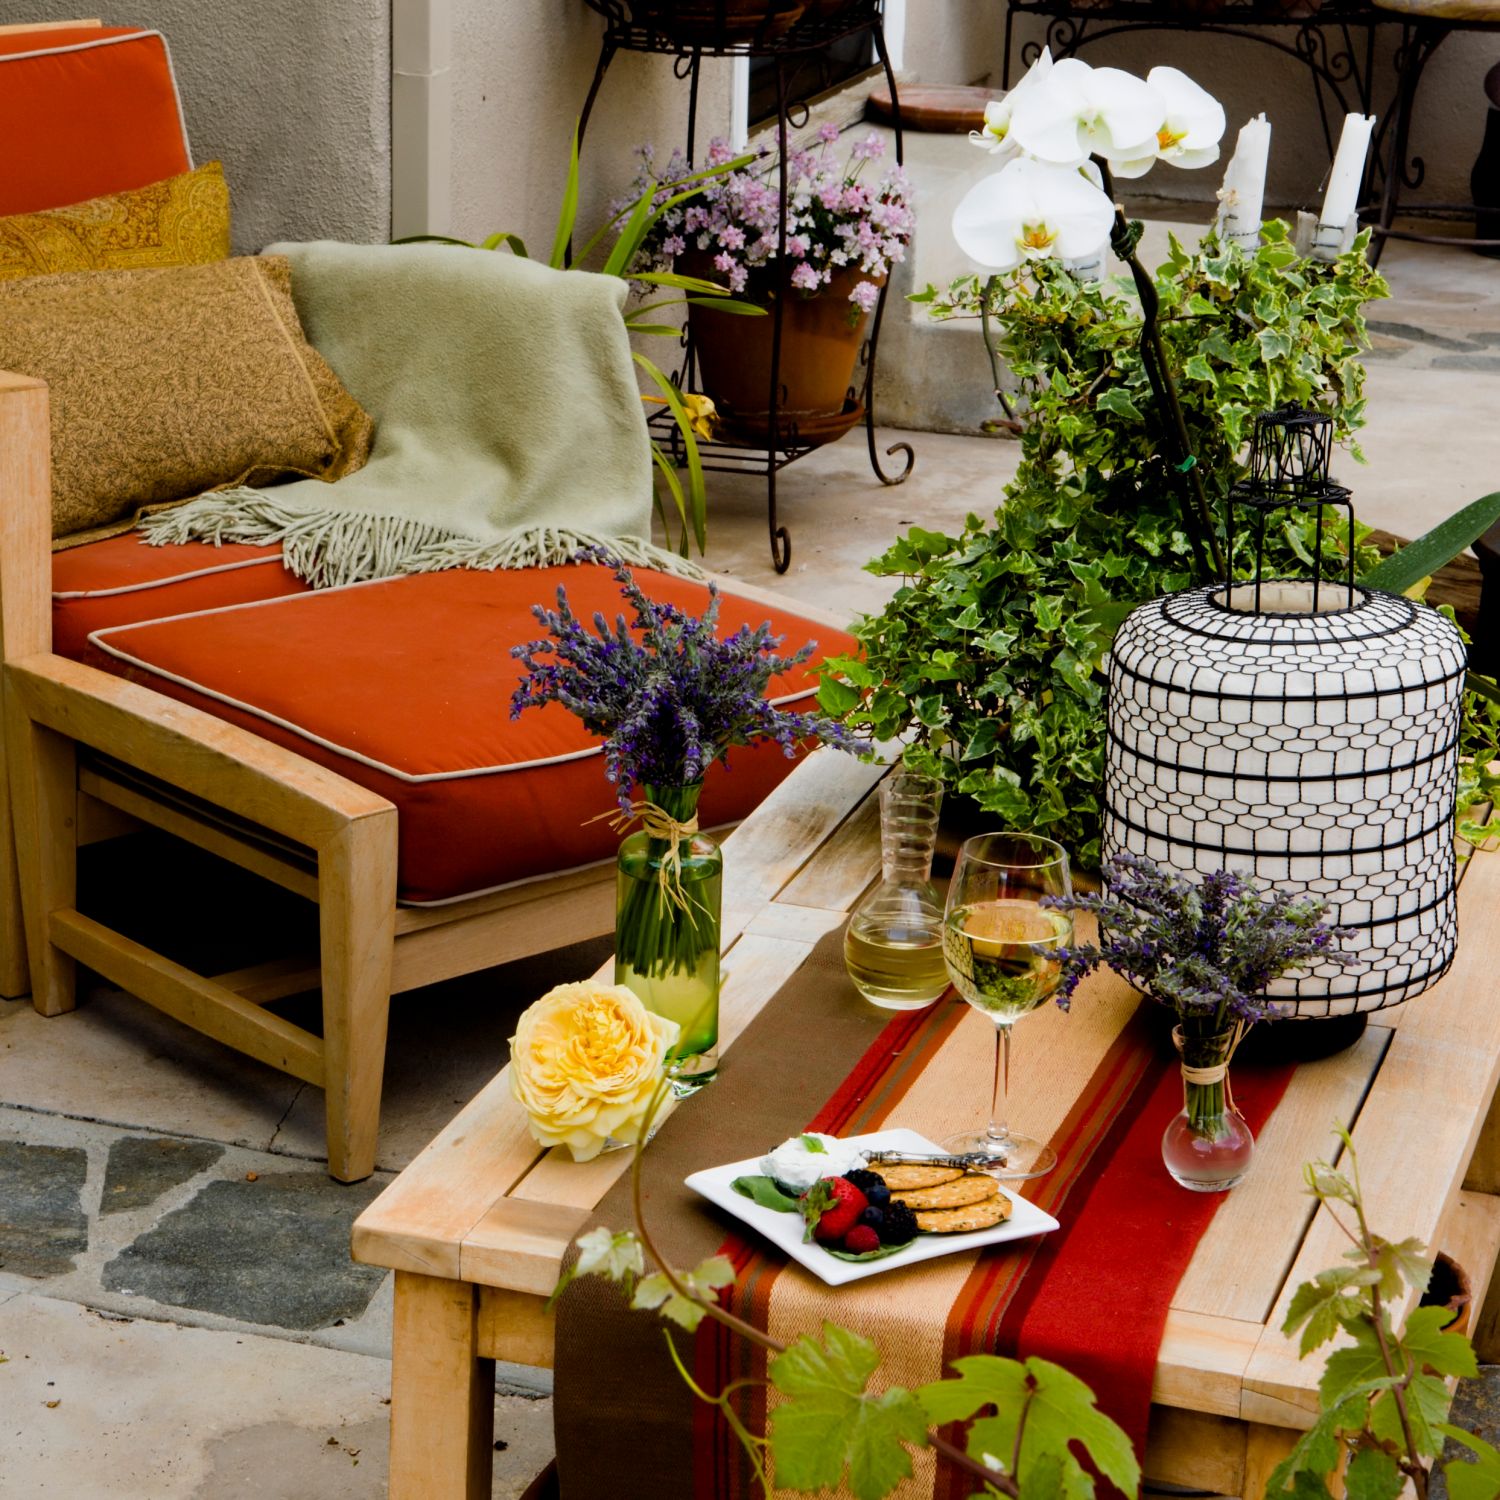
764, 1191
828, 1424
1479, 1480
1429, 1347
694, 505
503, 237
728, 305
1372, 1475
568, 215
1304, 1471
655, 1293
859, 1255
1059, 1409
1427, 1402
434, 239
1415, 561
1320, 1306
835, 697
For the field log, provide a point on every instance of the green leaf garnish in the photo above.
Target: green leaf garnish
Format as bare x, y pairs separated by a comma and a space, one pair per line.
814, 1146
766, 1192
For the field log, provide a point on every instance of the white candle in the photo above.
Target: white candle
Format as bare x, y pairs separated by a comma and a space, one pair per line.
1243, 195
1342, 197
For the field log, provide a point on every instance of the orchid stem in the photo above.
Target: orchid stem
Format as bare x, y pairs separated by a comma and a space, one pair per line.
1197, 519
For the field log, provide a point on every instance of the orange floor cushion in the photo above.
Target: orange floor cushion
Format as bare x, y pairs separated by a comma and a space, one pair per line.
121, 580
404, 686
84, 112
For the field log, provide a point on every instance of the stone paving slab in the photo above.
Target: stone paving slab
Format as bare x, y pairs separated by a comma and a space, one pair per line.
107, 1408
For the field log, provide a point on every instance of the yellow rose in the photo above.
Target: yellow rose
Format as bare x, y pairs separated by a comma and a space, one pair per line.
584, 1063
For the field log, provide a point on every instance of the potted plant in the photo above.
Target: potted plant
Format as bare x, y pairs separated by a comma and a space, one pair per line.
986, 658
844, 228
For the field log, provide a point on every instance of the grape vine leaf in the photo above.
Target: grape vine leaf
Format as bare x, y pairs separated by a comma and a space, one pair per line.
1372, 1475
657, 1293
1479, 1480
1059, 1409
1443, 1353
828, 1422
1324, 1304
1427, 1402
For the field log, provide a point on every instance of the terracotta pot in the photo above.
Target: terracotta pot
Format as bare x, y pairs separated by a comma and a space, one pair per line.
820, 342
1450, 1287
711, 22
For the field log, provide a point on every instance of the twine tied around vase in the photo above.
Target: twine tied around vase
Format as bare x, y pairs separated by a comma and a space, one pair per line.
657, 823
1216, 1072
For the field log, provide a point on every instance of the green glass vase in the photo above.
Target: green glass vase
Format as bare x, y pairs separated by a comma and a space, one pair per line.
668, 898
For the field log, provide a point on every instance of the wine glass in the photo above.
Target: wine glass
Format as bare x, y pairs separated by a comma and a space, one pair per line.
1001, 948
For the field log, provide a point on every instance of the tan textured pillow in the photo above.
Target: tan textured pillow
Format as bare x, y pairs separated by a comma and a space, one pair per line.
167, 383
182, 221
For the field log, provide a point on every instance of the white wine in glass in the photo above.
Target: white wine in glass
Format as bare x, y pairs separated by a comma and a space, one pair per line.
1001, 948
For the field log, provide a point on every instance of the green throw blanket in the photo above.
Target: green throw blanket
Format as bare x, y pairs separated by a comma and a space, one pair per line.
509, 431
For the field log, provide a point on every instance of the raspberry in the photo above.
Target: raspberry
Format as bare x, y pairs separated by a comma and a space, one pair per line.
900, 1225
861, 1239
871, 1184
833, 1206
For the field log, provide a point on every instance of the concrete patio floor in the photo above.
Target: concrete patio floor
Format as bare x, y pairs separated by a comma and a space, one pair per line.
178, 1314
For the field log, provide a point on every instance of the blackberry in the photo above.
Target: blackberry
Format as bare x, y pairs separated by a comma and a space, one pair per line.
871, 1184
900, 1225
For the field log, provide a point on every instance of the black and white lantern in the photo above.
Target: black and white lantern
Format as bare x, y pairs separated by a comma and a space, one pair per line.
1302, 732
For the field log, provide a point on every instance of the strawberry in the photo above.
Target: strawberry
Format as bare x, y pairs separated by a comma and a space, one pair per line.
831, 1207
861, 1240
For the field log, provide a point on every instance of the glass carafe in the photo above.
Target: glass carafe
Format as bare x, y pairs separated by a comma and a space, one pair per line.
893, 945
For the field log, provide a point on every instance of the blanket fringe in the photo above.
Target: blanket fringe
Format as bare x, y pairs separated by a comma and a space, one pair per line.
328, 548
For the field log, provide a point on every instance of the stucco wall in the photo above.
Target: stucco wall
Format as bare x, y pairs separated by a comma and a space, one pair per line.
521, 70
292, 95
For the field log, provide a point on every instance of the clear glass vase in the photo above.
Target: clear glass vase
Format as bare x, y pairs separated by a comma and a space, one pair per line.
1208, 1146
893, 945
668, 895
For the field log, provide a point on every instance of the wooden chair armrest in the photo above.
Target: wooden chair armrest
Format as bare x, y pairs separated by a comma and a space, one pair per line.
25, 517
226, 766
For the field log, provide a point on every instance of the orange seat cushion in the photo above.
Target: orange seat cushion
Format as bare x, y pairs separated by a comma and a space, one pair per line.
404, 686
121, 580
86, 112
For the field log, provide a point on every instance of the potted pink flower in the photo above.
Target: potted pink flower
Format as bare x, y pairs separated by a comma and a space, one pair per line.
847, 223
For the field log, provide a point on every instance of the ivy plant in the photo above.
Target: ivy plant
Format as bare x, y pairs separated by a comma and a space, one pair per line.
986, 660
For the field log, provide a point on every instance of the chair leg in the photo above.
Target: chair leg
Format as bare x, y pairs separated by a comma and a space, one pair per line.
44, 780
357, 901
15, 974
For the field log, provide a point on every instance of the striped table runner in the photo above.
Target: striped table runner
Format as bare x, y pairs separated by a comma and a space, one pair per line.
1100, 1083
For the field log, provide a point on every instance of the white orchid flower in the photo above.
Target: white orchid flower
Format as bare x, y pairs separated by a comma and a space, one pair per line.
995, 137
1191, 130
1031, 210
1081, 111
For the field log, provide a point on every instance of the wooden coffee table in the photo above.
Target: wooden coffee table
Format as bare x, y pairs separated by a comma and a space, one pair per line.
476, 1227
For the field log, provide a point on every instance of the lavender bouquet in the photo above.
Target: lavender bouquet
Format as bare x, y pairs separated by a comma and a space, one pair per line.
669, 696
1208, 950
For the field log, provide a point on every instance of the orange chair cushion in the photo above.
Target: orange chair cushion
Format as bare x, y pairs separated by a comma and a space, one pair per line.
121, 580
84, 113
404, 686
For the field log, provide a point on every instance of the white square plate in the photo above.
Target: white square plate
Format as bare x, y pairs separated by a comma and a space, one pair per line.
785, 1230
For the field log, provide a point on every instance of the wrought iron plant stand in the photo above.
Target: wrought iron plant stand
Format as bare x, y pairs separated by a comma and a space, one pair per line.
688, 31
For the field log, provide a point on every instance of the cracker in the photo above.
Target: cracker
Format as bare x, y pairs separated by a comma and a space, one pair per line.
973, 1187
901, 1178
984, 1215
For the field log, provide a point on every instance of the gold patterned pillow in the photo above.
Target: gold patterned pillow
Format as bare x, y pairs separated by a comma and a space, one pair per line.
166, 383
183, 221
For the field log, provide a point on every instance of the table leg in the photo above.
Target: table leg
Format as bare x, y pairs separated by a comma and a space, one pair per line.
442, 1393
1265, 1447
